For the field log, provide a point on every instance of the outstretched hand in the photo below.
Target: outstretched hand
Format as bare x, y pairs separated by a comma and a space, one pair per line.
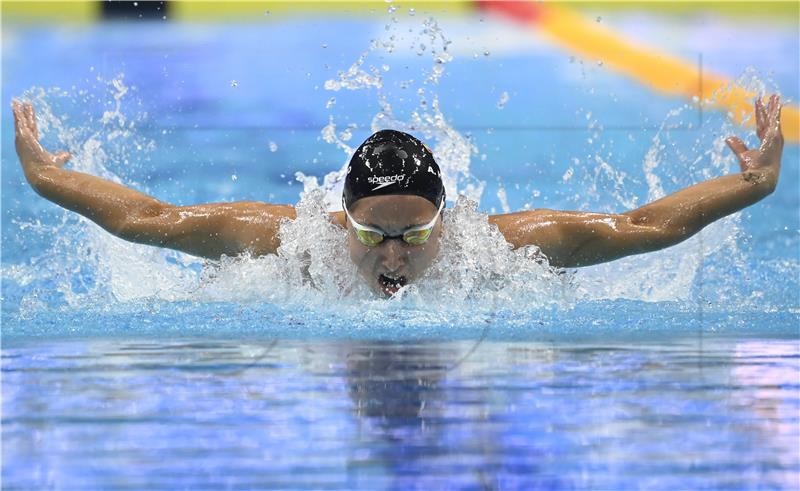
768, 129
31, 154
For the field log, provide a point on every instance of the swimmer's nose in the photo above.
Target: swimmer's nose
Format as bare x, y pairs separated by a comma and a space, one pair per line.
393, 255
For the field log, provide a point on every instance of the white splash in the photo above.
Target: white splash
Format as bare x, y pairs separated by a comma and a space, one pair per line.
715, 249
476, 271
451, 149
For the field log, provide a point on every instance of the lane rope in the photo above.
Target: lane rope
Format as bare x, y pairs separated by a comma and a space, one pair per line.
661, 72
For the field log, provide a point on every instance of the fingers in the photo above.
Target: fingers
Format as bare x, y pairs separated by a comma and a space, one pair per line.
761, 118
20, 118
18, 122
31, 116
61, 158
24, 119
772, 118
767, 118
736, 144
774, 113
27, 144
738, 147
772, 144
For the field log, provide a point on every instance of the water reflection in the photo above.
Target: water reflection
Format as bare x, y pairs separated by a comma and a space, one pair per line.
411, 415
765, 370
428, 416
394, 383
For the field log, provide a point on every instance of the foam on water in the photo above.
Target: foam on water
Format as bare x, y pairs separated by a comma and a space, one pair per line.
476, 272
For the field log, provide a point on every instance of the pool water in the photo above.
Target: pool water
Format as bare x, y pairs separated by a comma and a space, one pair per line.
126, 367
332, 414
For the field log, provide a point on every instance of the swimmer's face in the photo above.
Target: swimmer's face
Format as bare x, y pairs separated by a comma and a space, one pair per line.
393, 263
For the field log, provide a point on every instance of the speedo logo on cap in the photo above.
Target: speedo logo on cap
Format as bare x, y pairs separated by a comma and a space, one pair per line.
383, 181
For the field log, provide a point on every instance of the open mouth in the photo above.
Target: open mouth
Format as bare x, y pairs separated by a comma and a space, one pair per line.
391, 284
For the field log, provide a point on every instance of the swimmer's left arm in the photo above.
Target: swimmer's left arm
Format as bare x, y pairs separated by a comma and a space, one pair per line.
573, 239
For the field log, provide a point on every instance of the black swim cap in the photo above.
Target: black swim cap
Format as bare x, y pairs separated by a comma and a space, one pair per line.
393, 162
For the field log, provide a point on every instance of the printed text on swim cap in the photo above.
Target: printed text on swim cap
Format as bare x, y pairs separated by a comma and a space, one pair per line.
383, 181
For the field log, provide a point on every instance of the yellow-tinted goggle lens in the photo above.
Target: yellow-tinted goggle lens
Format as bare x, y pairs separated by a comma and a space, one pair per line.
369, 238
417, 237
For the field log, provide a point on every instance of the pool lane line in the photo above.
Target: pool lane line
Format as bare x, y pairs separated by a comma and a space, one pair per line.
659, 71
251, 11
52, 12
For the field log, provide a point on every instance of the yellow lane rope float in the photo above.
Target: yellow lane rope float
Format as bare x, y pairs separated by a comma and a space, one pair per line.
562, 25
661, 72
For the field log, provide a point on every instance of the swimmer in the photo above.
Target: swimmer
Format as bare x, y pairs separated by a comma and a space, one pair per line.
392, 207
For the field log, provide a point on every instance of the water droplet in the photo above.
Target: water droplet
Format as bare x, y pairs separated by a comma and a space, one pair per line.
234, 83
486, 53
266, 12
273, 147
695, 99
324, 45
412, 11
234, 177
599, 62
330, 102
385, 68
599, 19
135, 4
392, 9
503, 100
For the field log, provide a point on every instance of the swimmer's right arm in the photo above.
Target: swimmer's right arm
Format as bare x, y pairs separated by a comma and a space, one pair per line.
209, 230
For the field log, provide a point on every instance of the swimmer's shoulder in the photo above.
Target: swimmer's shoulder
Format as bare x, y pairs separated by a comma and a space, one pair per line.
540, 227
338, 218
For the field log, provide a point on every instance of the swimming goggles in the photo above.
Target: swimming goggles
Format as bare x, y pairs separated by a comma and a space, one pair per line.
371, 237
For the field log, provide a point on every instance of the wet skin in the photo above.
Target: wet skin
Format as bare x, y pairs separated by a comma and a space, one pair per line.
567, 239
393, 263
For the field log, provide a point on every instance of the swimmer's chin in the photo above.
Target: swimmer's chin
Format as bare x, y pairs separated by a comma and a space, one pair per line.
389, 286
